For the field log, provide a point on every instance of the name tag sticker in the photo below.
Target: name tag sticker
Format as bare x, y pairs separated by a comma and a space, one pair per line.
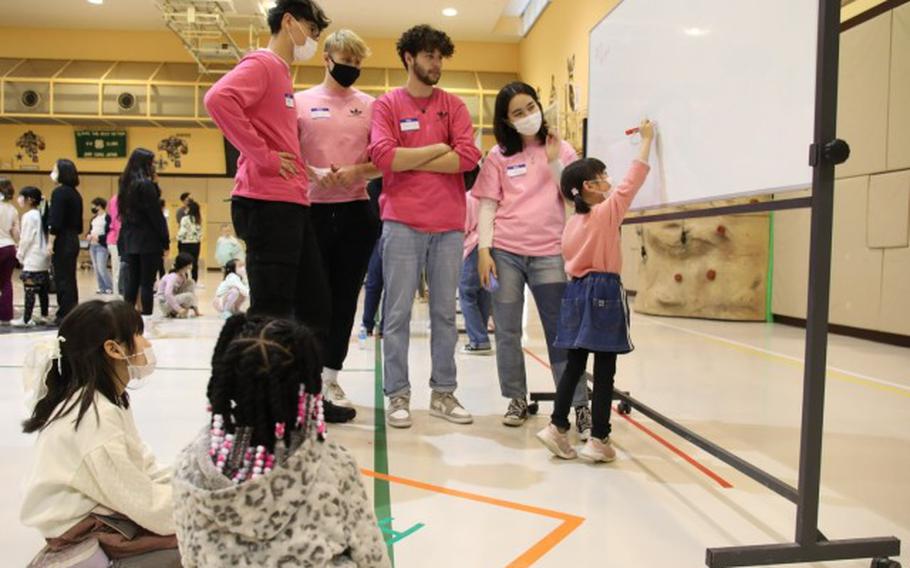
517, 170
320, 112
289, 101
409, 124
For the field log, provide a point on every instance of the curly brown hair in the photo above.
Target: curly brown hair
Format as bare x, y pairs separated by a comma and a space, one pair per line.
424, 38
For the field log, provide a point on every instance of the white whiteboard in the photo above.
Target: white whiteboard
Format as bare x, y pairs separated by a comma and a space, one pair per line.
729, 83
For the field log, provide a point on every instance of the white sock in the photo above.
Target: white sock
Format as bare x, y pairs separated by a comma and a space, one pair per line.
329, 376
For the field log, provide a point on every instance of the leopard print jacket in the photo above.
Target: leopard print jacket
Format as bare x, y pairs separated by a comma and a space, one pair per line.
310, 511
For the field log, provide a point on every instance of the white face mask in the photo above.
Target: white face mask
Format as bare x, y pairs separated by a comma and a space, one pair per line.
306, 51
140, 372
528, 125
241, 272
55, 175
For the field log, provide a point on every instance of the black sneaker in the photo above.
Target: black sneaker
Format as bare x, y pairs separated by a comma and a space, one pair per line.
470, 349
335, 414
583, 422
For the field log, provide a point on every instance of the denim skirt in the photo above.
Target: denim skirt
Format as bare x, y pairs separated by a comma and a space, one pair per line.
595, 315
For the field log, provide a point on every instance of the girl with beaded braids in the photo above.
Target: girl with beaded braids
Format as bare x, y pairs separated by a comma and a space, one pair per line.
260, 484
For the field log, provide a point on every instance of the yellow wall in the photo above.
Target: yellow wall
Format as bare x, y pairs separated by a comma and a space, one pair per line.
205, 156
164, 46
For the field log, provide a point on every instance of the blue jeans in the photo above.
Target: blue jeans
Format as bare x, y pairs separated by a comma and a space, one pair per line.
476, 303
405, 254
372, 290
100, 255
546, 276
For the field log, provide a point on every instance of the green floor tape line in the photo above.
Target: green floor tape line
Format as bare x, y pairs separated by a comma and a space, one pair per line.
381, 496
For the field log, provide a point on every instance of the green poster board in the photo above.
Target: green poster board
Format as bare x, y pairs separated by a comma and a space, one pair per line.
101, 143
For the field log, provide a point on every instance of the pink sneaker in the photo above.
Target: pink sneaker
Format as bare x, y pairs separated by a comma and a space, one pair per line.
596, 451
557, 442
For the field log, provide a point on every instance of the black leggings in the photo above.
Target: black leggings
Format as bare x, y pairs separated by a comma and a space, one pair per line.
604, 375
142, 270
35, 284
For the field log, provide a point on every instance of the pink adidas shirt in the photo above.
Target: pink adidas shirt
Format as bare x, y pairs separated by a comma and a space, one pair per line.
531, 213
591, 242
253, 105
334, 130
425, 201
471, 238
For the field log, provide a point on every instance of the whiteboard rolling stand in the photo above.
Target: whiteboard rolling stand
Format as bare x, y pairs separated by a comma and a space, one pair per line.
809, 545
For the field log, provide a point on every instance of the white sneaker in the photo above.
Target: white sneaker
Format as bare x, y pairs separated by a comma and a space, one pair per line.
23, 323
399, 415
557, 442
444, 405
334, 393
598, 451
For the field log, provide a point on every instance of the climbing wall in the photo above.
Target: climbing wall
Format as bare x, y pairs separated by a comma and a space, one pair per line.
714, 267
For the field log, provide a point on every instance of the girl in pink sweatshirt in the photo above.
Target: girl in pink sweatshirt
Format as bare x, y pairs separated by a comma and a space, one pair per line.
595, 314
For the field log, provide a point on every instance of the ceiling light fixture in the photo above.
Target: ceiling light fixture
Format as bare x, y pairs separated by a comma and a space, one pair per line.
96, 2
449, 12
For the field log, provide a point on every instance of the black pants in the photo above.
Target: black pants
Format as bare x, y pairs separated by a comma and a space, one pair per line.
66, 253
140, 281
191, 249
604, 375
37, 285
283, 263
347, 233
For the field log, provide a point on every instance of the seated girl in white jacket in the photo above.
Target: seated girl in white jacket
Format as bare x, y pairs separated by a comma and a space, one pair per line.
92, 471
233, 292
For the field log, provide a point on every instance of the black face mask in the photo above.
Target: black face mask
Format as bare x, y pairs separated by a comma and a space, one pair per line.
346, 75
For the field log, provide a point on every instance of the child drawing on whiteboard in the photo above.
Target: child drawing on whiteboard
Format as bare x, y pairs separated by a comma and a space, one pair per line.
594, 317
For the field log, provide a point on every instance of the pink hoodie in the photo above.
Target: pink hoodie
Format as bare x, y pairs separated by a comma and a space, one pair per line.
591, 242
425, 201
253, 105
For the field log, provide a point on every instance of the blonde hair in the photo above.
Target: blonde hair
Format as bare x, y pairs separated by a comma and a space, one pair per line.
348, 43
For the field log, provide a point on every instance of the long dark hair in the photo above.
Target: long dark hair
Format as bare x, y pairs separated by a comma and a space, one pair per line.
140, 168
230, 267
258, 367
67, 174
573, 180
193, 211
506, 136
85, 368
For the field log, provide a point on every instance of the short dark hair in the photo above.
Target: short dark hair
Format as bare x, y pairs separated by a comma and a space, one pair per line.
230, 267
83, 370
424, 38
183, 196
6, 188
183, 260
33, 194
574, 177
301, 10
100, 202
506, 136
67, 174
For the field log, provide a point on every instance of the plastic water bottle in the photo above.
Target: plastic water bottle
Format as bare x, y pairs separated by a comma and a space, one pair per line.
362, 337
494, 284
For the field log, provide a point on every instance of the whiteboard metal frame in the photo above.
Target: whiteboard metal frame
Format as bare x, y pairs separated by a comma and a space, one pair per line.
809, 545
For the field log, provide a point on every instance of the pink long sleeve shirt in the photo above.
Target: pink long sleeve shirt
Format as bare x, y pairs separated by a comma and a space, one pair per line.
425, 201
591, 242
253, 105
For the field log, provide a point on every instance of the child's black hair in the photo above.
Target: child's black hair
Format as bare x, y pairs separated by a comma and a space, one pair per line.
230, 267
183, 260
424, 38
573, 178
300, 10
100, 202
84, 368
258, 367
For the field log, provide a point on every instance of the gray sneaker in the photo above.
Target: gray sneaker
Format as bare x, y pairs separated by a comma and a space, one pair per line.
517, 414
583, 422
444, 405
399, 413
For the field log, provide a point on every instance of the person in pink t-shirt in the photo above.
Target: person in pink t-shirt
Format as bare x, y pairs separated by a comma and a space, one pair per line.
521, 219
595, 314
334, 121
422, 140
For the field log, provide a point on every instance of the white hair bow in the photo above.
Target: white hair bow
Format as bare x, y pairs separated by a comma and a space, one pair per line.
37, 365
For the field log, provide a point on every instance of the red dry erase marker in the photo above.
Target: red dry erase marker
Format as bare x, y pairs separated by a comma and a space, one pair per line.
631, 131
